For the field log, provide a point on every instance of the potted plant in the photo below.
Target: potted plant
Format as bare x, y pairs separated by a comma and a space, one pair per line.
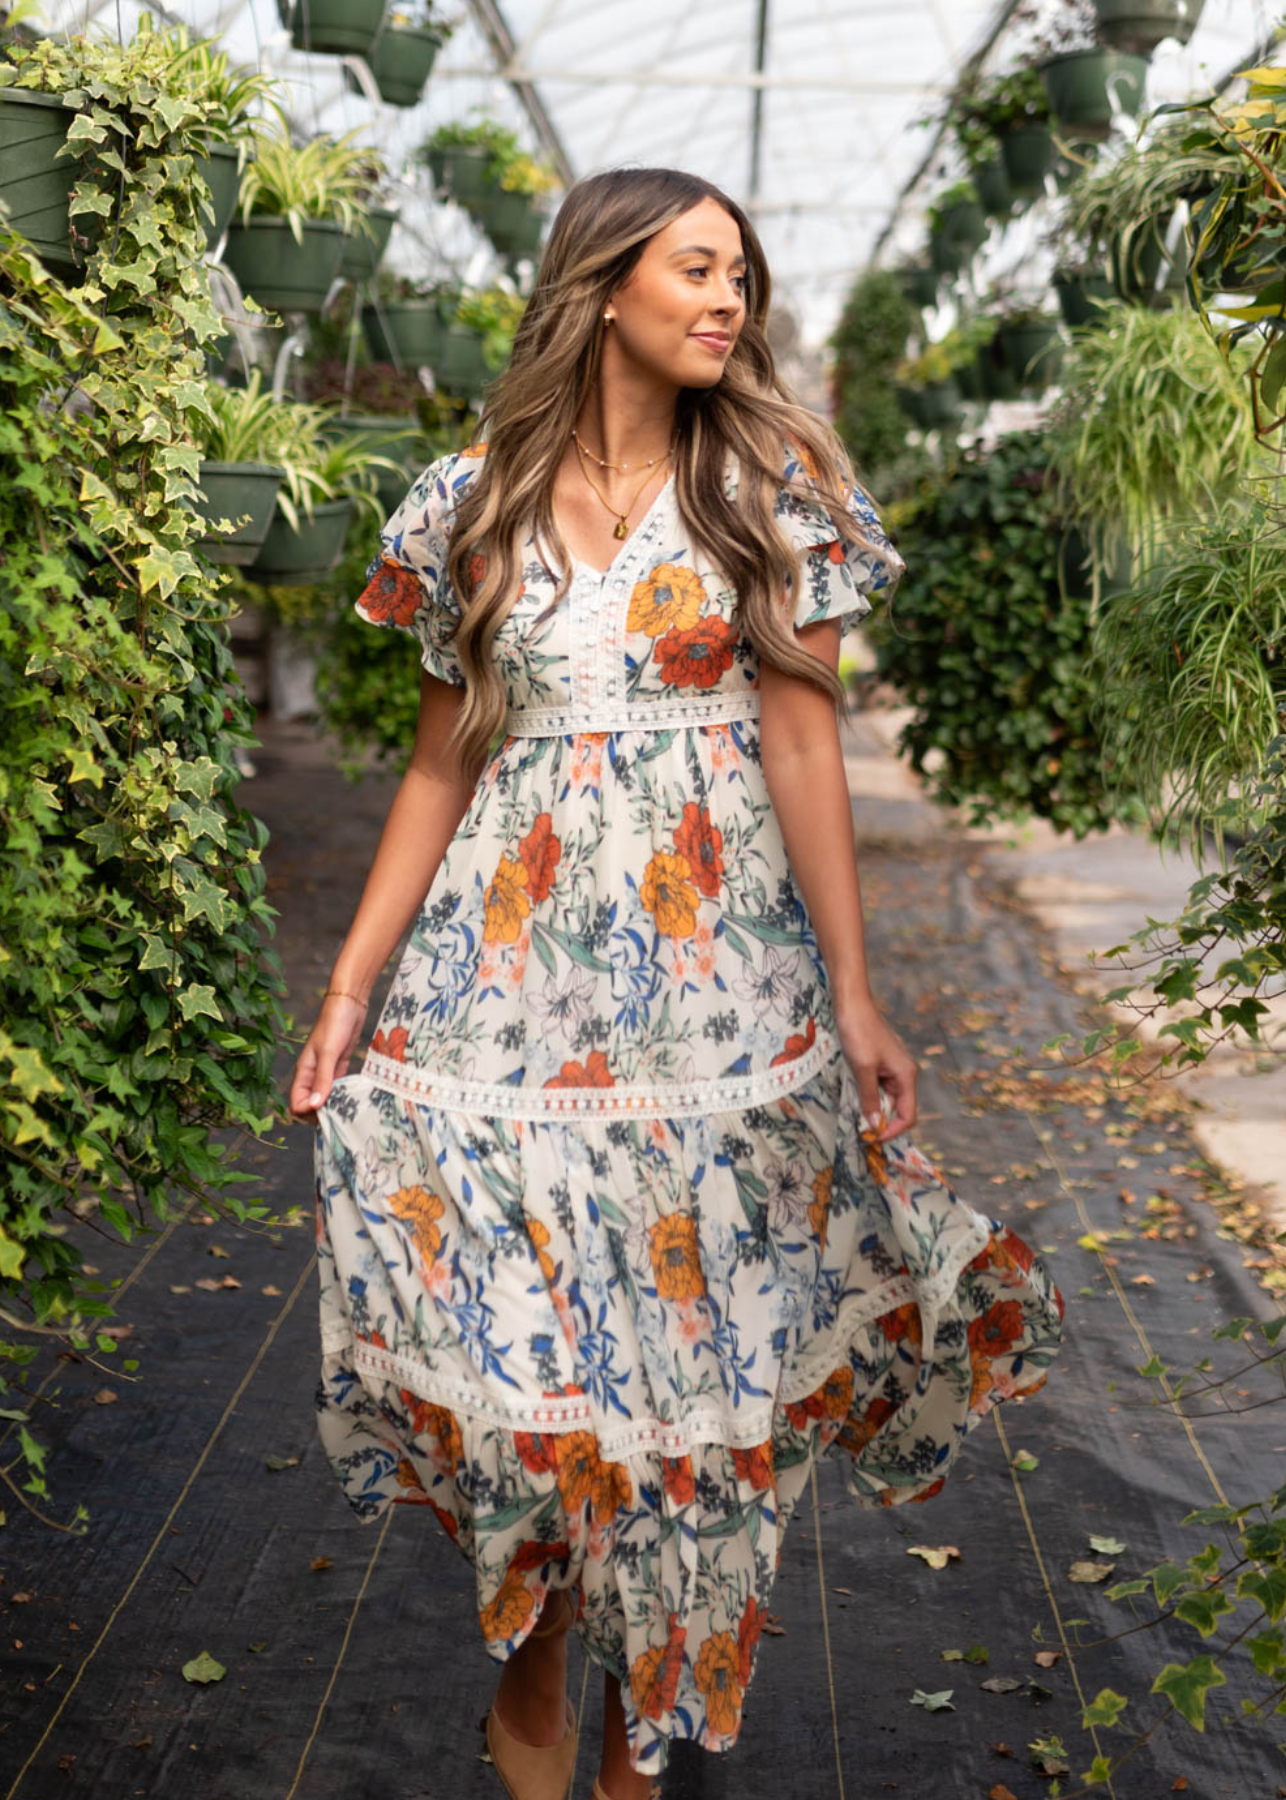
337, 27
980, 149
478, 341
467, 161
402, 56
509, 214
378, 406
240, 475
1082, 287
1140, 25
919, 282
230, 96
1013, 107
1088, 83
957, 227
407, 321
1031, 343
369, 238
297, 206
927, 389
329, 480
36, 180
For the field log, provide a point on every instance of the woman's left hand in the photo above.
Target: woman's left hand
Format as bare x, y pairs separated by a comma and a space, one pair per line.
881, 1062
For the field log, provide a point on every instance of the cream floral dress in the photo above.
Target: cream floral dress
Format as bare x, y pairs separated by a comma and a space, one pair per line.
606, 1257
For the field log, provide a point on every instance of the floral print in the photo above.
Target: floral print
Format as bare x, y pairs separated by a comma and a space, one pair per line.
609, 1255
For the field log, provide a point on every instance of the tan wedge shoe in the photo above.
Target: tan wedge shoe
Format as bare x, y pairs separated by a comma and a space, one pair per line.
599, 1792
537, 1771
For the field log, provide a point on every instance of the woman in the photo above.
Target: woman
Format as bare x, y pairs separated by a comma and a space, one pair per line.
618, 1226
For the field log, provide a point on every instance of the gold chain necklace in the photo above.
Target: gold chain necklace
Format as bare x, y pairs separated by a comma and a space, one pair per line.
624, 467
621, 529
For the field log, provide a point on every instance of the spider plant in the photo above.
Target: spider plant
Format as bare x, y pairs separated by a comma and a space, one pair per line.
230, 95
1192, 667
326, 178
249, 425
349, 469
1153, 419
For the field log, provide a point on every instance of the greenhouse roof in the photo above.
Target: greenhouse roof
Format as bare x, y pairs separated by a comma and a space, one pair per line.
817, 114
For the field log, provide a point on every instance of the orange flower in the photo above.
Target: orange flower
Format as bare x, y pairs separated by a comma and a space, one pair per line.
748, 1634
796, 1044
406, 1475
830, 1401
672, 1243
755, 1465
1004, 1252
392, 596
680, 1486
999, 1328
539, 1235
668, 894
857, 1433
717, 1676
421, 1210
479, 449
819, 1213
654, 1676
700, 842
583, 1475
393, 1046
593, 1072
876, 1161
672, 595
540, 851
504, 1615
427, 1418
697, 658
537, 1452
902, 1324
506, 903
534, 1555
477, 570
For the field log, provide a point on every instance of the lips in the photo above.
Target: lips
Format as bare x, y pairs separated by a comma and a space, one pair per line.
715, 339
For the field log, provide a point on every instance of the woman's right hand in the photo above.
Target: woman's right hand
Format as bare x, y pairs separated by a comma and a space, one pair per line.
325, 1056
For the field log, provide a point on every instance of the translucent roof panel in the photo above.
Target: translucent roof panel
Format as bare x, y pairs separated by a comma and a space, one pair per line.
816, 114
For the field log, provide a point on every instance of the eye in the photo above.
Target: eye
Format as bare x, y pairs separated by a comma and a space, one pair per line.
700, 270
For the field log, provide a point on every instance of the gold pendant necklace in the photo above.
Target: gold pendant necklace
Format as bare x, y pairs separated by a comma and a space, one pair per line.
621, 529
624, 467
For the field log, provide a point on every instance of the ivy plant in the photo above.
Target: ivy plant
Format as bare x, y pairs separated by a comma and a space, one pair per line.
143, 1007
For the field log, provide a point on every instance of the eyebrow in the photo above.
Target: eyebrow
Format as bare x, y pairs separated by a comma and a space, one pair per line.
704, 250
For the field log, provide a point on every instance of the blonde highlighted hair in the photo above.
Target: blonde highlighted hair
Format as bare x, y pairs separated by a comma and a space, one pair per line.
600, 232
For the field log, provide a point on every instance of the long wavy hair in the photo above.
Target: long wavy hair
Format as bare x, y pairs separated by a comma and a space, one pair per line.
597, 238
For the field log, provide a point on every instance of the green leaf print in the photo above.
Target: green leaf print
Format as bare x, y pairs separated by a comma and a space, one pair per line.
569, 945
760, 928
543, 952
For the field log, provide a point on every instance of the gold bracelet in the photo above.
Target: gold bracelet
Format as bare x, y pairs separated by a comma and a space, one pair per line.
343, 994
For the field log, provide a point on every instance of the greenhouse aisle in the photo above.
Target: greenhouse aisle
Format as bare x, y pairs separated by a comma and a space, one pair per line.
351, 1667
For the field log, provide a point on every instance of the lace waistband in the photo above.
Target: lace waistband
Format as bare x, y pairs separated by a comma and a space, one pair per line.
657, 714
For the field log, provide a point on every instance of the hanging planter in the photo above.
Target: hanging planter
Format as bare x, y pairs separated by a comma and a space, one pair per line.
463, 171
995, 376
220, 169
1077, 289
401, 60
237, 491
1033, 349
945, 255
290, 557
993, 188
461, 368
392, 437
280, 272
512, 222
363, 253
406, 332
1082, 85
339, 27
920, 284
962, 228
968, 379
1140, 25
34, 186
931, 407
1027, 151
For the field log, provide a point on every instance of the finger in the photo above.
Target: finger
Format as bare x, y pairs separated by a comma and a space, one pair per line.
868, 1093
304, 1085
901, 1087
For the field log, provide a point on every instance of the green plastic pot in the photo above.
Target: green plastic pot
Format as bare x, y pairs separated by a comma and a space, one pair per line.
920, 285
1034, 351
340, 27
290, 558
35, 189
461, 368
945, 254
362, 254
931, 407
1079, 85
462, 170
1027, 150
968, 379
407, 332
964, 227
993, 188
398, 439
1076, 294
401, 61
280, 273
1140, 25
995, 376
220, 171
237, 491
511, 221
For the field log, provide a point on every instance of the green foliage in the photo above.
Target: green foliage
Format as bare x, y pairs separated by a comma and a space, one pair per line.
960, 193
869, 342
494, 313
326, 178
368, 681
141, 1008
229, 95
508, 164
989, 652
999, 104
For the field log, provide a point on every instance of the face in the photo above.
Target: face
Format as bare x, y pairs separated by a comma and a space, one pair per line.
678, 314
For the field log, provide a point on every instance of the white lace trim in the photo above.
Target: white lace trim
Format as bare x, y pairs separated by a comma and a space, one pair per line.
655, 714
672, 1100
707, 1423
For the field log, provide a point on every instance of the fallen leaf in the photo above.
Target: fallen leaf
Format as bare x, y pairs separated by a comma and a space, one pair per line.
261, 1645
1090, 1572
143, 1743
1000, 1792
211, 1285
847, 1591
940, 1702
1025, 1462
772, 1628
22, 1597
1180, 1785
1144, 1280
273, 1293
1000, 1750
321, 1562
1046, 1659
1049, 1764
952, 1656
105, 1396
1002, 1684
179, 1288
936, 1558
282, 1462
203, 1668
1106, 1546
215, 1250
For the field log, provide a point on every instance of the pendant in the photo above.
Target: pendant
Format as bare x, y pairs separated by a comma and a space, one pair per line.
622, 529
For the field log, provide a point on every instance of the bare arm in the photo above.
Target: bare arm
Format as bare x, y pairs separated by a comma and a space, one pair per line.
804, 770
422, 820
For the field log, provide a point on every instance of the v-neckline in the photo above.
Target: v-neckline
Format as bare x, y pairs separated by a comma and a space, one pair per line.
626, 543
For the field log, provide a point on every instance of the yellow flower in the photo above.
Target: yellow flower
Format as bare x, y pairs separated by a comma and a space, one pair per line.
421, 1210
670, 598
667, 892
506, 903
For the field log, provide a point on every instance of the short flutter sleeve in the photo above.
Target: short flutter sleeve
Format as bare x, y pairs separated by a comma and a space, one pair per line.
837, 578
407, 583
